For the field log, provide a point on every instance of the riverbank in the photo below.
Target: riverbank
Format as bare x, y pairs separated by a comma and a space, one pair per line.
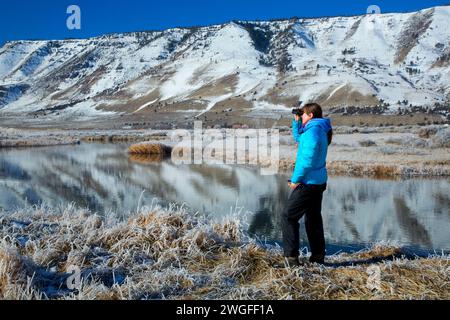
382, 152
356, 151
11, 137
169, 254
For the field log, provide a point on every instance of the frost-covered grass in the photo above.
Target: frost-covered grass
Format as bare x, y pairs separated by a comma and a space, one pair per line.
11, 137
430, 137
170, 254
16, 138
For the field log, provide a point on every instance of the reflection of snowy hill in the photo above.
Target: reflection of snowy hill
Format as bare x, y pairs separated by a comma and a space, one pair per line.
410, 211
102, 177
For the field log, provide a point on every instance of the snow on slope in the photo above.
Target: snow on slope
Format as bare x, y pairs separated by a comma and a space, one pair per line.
362, 60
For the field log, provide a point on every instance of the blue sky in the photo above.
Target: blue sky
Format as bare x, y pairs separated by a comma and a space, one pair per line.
46, 19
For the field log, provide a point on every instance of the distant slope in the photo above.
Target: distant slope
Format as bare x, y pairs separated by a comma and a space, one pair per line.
387, 60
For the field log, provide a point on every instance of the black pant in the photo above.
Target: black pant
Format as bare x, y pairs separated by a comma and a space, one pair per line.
306, 200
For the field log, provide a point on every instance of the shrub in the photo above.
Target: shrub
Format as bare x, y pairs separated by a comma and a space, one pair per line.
441, 139
425, 133
367, 143
150, 148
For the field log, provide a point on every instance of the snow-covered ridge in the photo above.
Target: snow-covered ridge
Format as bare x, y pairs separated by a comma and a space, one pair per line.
368, 60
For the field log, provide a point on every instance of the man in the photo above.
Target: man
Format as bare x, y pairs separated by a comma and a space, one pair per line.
308, 182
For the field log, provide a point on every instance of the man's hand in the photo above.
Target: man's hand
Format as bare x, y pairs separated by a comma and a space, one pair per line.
293, 185
296, 117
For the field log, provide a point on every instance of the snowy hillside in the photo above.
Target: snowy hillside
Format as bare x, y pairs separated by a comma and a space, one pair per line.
390, 60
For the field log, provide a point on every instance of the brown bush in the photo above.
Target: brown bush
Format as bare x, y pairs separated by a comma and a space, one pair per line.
150, 149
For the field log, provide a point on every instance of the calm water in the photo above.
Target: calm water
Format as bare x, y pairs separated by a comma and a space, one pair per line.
357, 211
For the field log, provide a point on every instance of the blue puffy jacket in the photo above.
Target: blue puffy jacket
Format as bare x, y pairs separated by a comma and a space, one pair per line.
310, 166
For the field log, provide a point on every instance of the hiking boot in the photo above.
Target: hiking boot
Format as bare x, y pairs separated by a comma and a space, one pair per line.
287, 262
292, 262
320, 258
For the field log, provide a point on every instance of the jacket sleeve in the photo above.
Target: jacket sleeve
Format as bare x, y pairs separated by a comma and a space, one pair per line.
296, 128
306, 156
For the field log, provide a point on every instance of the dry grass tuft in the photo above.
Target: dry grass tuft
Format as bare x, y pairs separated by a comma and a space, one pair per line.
376, 170
149, 148
170, 254
146, 158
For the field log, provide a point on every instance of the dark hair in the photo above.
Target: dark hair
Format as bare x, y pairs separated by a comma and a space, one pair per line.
313, 108
330, 136
316, 110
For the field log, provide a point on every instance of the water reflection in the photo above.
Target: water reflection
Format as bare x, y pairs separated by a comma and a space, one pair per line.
103, 177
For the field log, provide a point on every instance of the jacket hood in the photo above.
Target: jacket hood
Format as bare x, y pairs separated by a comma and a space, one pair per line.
323, 123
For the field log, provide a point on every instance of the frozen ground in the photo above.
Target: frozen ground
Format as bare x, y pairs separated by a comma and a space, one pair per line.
168, 254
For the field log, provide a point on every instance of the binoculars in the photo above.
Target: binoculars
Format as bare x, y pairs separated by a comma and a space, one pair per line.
297, 111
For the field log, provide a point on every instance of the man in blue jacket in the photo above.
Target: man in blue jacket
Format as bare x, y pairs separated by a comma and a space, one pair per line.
308, 182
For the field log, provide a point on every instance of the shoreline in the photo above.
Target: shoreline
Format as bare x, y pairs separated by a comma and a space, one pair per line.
386, 152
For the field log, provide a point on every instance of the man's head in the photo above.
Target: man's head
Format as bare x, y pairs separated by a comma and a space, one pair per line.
310, 111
